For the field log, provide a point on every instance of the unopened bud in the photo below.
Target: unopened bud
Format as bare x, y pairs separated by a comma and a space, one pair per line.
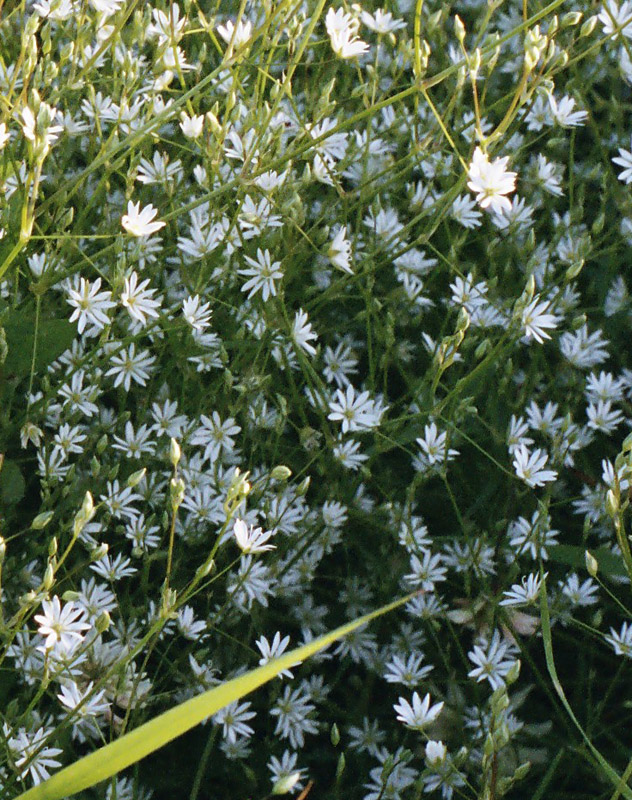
103, 622
592, 565
459, 28
335, 735
281, 473
435, 753
99, 552
612, 504
176, 489
286, 783
42, 520
571, 18
174, 453
49, 578
136, 477
513, 674
340, 766
301, 489
589, 26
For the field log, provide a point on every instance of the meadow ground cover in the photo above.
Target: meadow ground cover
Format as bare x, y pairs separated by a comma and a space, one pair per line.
306, 307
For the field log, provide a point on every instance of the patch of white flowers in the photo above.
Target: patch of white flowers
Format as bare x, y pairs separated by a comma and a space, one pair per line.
305, 307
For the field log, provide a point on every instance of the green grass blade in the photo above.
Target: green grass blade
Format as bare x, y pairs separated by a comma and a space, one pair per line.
152, 735
612, 775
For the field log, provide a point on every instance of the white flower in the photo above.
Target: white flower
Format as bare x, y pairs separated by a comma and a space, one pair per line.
237, 34
61, 624
192, 126
90, 305
339, 252
418, 715
535, 320
524, 593
563, 112
492, 659
342, 30
381, 21
271, 650
624, 159
196, 313
139, 223
263, 273
616, 19
435, 753
491, 181
138, 299
529, 467
251, 540
357, 412
302, 332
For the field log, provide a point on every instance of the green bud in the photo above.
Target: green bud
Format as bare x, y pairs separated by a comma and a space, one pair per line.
49, 578
513, 674
42, 520
522, 771
335, 735
340, 766
174, 453
571, 18
52, 547
301, 489
459, 28
136, 477
281, 473
612, 504
176, 490
103, 622
592, 565
286, 784
463, 320
98, 552
69, 596
589, 26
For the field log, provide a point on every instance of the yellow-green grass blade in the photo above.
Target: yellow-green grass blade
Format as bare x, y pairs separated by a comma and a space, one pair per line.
152, 735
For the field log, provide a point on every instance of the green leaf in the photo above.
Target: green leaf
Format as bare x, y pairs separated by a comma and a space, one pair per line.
53, 337
118, 755
12, 484
574, 556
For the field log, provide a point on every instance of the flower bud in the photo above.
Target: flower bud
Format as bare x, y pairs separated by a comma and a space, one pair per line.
592, 565
136, 477
42, 520
49, 578
174, 453
103, 622
281, 473
335, 735
435, 753
286, 783
612, 504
